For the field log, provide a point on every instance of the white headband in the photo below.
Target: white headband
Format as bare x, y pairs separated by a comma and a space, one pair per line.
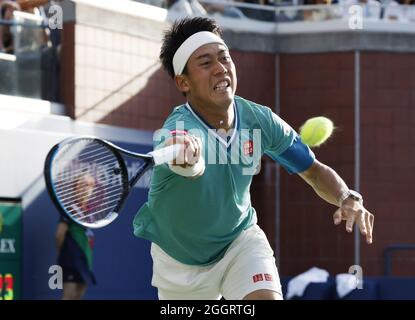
191, 44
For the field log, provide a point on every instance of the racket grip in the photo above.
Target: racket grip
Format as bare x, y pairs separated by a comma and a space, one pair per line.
166, 154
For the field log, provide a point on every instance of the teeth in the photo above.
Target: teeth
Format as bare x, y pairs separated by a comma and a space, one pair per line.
221, 85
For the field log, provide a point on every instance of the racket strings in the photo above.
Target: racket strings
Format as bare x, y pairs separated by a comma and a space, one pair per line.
87, 177
91, 199
67, 188
78, 173
90, 213
102, 198
70, 184
111, 193
66, 193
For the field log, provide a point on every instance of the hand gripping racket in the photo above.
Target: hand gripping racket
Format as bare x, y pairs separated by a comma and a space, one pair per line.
88, 180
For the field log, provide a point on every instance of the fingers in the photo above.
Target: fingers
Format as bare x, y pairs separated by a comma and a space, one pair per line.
349, 222
194, 150
369, 231
337, 216
191, 152
371, 220
342, 214
199, 148
361, 221
363, 218
366, 224
369, 223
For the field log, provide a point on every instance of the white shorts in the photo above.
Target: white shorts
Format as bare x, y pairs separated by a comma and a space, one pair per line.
248, 265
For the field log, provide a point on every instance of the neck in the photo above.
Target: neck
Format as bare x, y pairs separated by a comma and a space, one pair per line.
218, 118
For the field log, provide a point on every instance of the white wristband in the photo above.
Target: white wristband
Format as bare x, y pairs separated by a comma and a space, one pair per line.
190, 171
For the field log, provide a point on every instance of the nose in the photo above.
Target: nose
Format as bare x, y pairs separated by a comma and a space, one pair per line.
220, 68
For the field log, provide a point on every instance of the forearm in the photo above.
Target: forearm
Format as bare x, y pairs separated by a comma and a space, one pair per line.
325, 182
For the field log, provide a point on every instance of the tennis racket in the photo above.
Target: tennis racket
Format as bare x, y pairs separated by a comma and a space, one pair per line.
87, 177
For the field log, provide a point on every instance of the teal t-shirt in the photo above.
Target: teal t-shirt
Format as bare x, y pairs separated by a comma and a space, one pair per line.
195, 220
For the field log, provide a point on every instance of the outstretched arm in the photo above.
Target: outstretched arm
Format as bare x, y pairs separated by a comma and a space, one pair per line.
331, 187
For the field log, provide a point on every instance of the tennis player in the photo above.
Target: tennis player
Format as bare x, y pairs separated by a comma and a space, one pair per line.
205, 239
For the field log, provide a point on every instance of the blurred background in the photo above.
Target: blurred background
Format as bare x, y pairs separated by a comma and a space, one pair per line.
91, 67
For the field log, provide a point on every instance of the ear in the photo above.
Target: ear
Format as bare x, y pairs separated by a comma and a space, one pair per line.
182, 83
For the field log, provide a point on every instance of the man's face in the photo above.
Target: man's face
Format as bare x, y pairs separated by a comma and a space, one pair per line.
210, 80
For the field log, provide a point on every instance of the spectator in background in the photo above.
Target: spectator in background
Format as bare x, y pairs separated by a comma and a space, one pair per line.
50, 56
36, 7
179, 9
392, 11
259, 14
289, 15
6, 37
224, 10
54, 35
371, 8
321, 14
409, 10
402, 12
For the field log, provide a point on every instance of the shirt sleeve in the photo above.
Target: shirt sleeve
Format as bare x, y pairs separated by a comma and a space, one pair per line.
283, 144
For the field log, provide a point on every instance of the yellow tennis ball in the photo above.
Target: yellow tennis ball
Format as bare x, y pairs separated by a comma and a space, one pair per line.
315, 131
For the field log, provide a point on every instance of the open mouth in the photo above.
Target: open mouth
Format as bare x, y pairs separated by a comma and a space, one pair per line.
222, 86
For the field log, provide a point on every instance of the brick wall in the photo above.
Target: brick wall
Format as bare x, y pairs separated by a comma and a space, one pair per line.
119, 80
314, 85
323, 84
388, 158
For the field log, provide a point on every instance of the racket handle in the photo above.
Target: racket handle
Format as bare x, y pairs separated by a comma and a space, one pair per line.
166, 154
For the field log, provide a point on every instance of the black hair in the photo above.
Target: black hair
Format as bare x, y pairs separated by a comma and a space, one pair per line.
179, 32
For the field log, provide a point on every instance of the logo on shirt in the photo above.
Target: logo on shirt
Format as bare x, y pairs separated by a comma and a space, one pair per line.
262, 277
248, 148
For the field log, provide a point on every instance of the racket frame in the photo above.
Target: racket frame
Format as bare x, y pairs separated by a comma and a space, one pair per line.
127, 183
